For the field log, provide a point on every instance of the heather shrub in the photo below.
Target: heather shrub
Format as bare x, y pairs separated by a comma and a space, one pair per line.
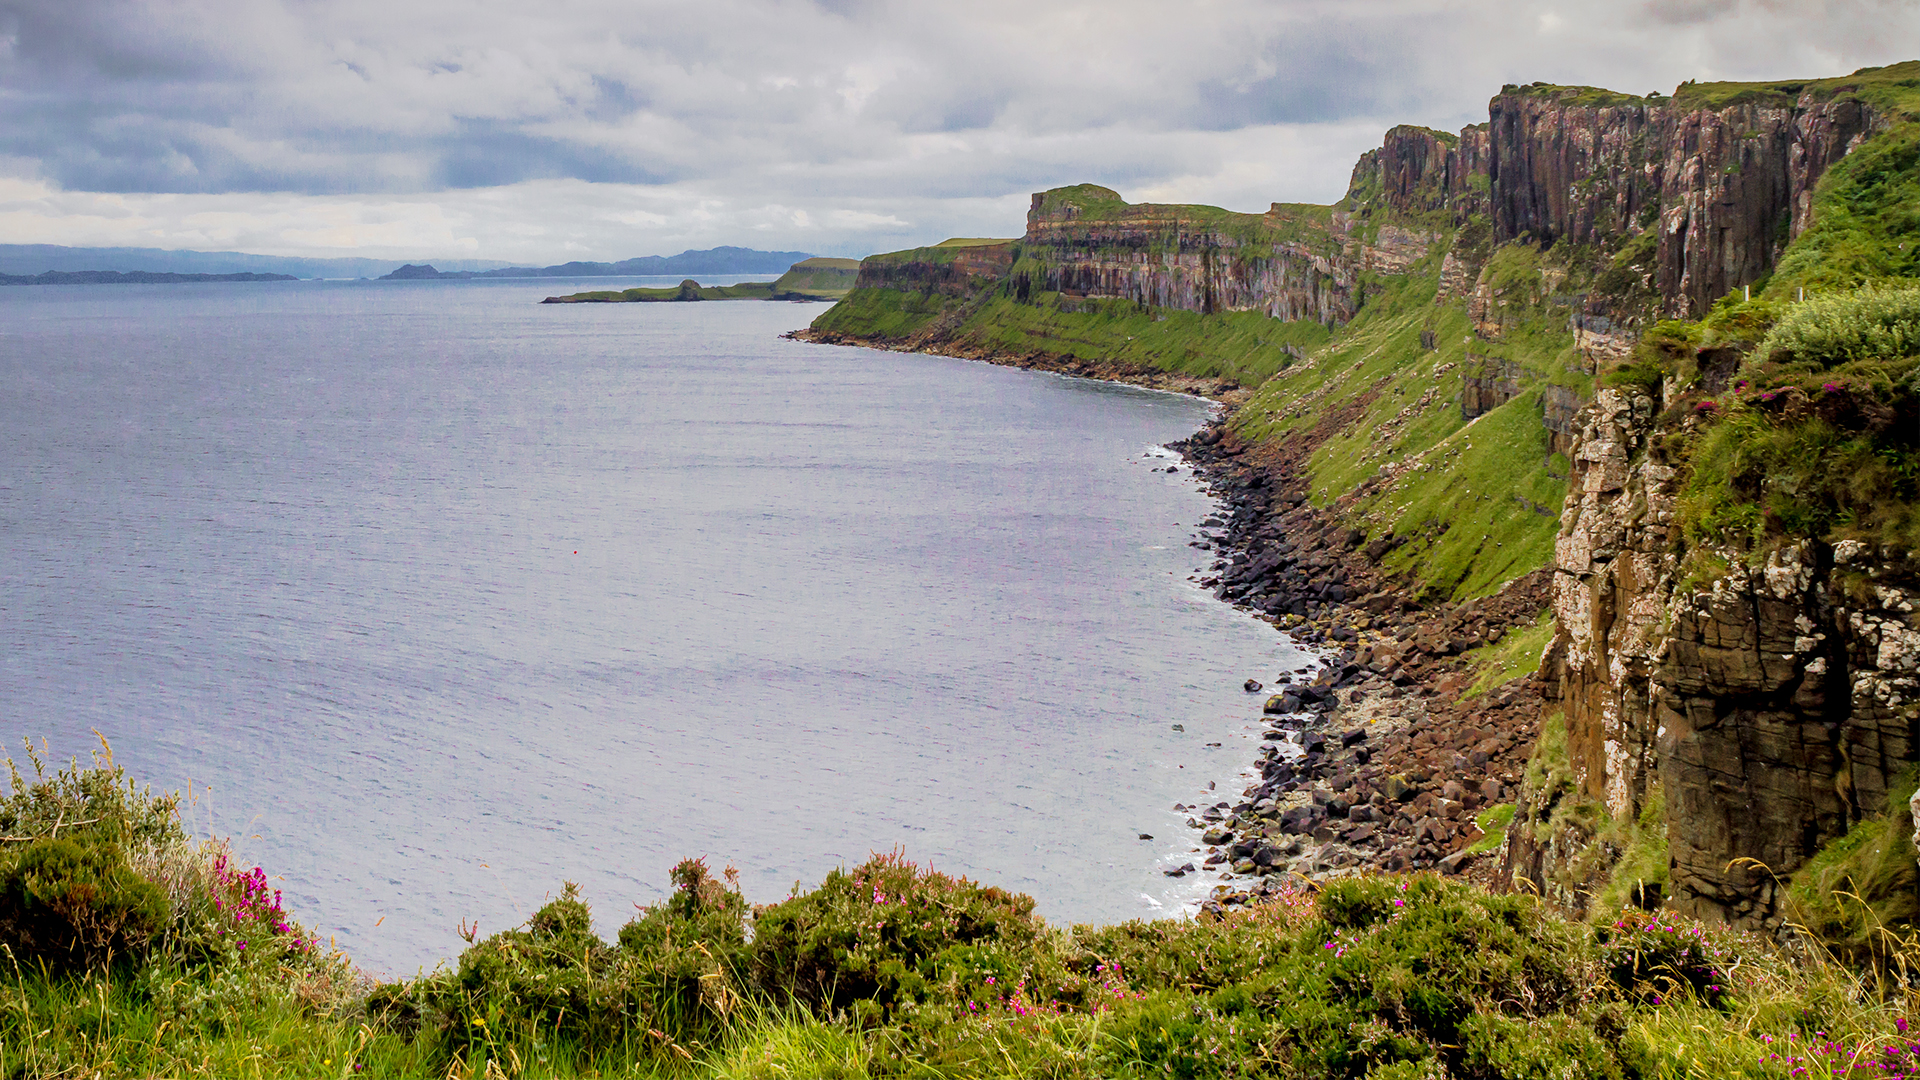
888, 935
685, 960
668, 990
1653, 957
69, 905
552, 975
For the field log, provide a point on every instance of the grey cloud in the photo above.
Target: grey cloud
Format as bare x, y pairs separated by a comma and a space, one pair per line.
1689, 12
878, 109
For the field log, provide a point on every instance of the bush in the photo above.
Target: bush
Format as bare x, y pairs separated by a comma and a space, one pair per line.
1872, 323
68, 905
1654, 957
670, 987
889, 934
548, 976
685, 961
86, 803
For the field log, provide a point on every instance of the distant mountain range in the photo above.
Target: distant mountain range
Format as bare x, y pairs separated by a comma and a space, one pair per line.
720, 260
35, 260
131, 277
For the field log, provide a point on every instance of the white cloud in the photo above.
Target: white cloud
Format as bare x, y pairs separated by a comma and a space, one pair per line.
619, 128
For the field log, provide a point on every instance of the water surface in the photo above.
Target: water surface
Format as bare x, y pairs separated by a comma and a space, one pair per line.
450, 597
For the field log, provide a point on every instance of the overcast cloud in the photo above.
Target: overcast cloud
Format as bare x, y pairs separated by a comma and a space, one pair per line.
612, 128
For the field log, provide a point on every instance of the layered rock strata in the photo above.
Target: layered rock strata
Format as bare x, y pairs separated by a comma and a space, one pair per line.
1722, 190
1772, 704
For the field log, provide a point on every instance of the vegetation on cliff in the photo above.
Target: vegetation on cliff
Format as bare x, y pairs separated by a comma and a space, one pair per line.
1414, 361
884, 969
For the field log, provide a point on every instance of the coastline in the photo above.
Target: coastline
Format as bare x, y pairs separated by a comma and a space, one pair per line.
1225, 392
1388, 759
1392, 755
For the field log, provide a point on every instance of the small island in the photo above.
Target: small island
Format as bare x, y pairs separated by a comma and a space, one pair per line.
808, 279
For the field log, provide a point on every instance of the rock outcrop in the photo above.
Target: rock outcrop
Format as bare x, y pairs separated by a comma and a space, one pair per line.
1085, 242
1772, 704
1721, 190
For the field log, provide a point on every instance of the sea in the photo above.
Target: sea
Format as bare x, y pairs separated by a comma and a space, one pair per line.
430, 598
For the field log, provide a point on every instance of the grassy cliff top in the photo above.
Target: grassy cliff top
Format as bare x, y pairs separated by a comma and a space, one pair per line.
971, 241
822, 262
1894, 89
1587, 96
1084, 205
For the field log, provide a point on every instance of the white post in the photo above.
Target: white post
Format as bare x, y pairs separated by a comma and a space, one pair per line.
1746, 293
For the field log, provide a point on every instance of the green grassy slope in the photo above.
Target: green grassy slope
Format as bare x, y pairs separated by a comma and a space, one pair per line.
817, 279
1366, 398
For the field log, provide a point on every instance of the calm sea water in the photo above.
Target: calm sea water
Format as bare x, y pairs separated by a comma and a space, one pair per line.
440, 598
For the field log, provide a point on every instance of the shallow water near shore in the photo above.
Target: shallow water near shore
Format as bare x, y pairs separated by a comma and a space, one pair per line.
440, 597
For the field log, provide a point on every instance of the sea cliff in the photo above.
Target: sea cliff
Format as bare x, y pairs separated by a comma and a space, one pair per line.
1494, 388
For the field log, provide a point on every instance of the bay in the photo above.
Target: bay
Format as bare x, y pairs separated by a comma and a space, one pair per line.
439, 597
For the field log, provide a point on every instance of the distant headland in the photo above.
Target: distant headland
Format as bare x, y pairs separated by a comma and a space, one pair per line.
720, 260
130, 277
808, 279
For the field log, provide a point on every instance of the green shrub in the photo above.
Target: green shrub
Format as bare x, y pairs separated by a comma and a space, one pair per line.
1872, 323
69, 906
546, 977
88, 802
1654, 957
685, 961
888, 935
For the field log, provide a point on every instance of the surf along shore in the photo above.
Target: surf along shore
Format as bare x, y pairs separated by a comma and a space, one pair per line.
1406, 750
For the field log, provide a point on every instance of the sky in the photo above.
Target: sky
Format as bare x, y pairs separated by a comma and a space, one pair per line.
606, 129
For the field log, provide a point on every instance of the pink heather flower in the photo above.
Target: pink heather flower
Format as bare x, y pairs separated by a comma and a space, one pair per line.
1832, 388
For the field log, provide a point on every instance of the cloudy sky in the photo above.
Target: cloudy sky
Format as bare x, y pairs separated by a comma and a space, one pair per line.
539, 132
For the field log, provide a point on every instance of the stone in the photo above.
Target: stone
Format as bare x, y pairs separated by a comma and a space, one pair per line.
1216, 836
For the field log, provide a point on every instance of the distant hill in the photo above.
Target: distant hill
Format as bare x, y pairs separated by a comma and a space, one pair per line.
133, 277
34, 259
720, 260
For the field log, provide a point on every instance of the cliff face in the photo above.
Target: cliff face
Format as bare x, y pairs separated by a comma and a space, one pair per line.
1287, 263
939, 271
1721, 191
1726, 189
1772, 705
1717, 192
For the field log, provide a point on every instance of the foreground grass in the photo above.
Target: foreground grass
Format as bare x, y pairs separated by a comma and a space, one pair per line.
887, 969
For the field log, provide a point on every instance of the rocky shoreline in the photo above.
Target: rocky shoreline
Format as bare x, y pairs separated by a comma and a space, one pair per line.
1388, 757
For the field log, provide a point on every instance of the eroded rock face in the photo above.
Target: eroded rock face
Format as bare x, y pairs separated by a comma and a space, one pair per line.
1726, 189
967, 272
1166, 256
1773, 705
